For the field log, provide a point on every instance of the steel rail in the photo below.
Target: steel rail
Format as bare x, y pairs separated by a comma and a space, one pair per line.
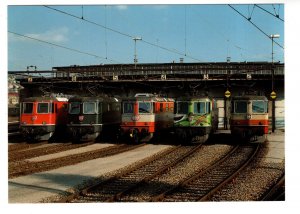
270, 194
160, 171
230, 177
214, 166
191, 179
96, 183
34, 167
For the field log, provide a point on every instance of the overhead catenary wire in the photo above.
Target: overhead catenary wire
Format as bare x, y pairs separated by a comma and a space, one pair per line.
255, 25
221, 34
105, 34
123, 34
185, 30
64, 47
250, 15
276, 15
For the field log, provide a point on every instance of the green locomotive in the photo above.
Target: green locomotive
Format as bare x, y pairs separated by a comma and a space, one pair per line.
90, 117
195, 119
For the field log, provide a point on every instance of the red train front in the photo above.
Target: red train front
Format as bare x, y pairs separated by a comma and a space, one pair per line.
41, 117
145, 114
249, 117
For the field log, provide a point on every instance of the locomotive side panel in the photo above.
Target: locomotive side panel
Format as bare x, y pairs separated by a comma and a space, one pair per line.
164, 118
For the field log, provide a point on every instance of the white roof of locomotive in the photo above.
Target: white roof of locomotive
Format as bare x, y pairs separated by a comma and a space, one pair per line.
144, 95
62, 99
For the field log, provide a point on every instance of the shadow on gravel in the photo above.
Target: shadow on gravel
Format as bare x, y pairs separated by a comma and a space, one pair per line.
221, 139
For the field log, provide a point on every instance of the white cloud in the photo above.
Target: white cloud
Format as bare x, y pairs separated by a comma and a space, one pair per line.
55, 35
122, 7
58, 35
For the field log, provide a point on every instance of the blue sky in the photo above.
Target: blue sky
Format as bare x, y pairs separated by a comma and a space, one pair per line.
197, 33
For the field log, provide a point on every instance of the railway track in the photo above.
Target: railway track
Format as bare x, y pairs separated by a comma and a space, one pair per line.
24, 145
203, 185
21, 168
140, 178
128, 186
30, 152
275, 192
114, 187
254, 181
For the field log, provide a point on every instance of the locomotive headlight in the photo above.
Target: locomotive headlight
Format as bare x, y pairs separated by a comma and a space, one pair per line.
249, 116
24, 123
44, 123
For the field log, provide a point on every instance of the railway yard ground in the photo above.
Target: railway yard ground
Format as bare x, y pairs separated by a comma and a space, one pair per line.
31, 185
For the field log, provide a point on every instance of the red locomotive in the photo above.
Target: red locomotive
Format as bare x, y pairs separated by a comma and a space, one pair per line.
41, 117
146, 114
249, 117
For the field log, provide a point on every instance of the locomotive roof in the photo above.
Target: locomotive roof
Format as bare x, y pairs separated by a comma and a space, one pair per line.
150, 99
250, 97
96, 98
194, 98
44, 99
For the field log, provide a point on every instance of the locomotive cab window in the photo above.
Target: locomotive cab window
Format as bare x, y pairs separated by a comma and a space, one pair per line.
145, 107
259, 106
74, 108
43, 108
199, 108
182, 107
240, 107
89, 108
27, 108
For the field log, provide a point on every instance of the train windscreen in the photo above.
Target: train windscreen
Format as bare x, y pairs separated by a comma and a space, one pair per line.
199, 108
74, 108
145, 107
27, 108
259, 106
240, 107
43, 108
89, 108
